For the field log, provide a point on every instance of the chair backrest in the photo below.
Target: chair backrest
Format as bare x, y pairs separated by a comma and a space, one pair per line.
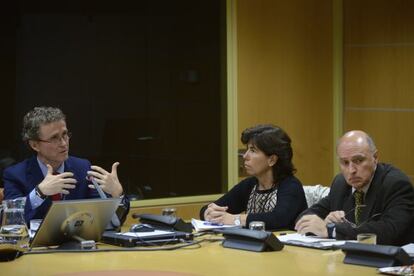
315, 193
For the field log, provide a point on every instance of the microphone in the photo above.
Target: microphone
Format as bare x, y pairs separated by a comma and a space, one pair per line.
115, 220
98, 188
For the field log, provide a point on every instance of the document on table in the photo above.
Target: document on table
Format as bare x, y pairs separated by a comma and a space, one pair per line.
201, 225
145, 234
309, 241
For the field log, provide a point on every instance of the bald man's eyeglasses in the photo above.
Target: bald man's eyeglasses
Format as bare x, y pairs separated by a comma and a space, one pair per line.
56, 140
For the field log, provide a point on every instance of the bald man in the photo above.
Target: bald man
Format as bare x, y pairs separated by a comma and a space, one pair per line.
366, 197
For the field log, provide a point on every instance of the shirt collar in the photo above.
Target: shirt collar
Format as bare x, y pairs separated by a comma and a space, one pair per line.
43, 167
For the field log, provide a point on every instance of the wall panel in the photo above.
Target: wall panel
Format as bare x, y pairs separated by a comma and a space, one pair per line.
285, 77
378, 76
390, 132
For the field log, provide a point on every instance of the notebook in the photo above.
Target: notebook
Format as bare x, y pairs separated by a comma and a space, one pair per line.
310, 241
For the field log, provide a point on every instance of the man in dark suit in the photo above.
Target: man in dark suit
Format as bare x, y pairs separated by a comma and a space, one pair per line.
367, 197
52, 174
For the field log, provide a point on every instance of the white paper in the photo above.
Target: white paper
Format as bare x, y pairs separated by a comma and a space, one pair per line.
201, 225
145, 234
397, 270
309, 239
409, 248
302, 238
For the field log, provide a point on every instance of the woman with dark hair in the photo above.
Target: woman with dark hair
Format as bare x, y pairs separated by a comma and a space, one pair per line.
272, 194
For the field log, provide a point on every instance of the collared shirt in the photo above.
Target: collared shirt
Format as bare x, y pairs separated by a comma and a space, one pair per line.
35, 200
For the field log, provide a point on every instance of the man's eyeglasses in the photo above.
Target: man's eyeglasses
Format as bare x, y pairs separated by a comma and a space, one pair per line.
344, 219
56, 140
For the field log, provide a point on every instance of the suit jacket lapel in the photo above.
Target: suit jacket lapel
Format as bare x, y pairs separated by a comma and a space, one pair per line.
370, 197
349, 204
34, 174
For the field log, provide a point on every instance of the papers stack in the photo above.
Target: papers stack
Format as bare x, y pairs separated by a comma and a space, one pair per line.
397, 270
309, 241
201, 225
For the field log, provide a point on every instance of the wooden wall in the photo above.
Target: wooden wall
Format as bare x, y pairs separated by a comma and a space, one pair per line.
285, 77
379, 76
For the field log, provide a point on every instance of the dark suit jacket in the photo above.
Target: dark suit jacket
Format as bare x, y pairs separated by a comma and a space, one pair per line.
291, 202
22, 178
390, 195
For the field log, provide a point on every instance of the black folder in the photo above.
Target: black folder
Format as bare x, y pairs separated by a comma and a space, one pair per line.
128, 240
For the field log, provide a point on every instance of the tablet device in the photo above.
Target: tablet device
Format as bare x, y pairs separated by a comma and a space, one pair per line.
84, 218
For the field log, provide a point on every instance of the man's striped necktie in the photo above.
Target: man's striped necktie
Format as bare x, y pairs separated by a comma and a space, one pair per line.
359, 201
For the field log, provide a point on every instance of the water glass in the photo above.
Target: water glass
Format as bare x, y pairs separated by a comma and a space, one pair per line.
13, 228
257, 225
169, 211
368, 238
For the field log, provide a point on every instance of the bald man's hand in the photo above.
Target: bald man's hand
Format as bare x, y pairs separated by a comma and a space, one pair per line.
335, 217
312, 224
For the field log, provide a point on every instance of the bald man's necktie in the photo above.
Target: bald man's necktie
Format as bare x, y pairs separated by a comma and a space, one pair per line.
56, 197
359, 201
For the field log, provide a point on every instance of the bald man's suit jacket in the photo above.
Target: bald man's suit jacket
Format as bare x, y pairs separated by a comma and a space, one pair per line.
388, 211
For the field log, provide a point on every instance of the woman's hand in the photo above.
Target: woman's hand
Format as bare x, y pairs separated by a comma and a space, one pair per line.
219, 214
214, 211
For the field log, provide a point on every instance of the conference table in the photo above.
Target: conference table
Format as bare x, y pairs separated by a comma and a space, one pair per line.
209, 258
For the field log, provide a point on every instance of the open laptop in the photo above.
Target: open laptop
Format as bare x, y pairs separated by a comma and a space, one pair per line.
84, 218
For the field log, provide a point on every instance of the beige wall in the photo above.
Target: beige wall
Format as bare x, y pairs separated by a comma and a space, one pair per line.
285, 77
379, 76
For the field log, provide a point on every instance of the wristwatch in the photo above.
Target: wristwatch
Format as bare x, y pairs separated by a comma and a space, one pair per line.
331, 230
237, 221
39, 193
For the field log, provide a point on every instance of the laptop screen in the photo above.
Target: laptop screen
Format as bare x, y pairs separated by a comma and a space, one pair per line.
85, 218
